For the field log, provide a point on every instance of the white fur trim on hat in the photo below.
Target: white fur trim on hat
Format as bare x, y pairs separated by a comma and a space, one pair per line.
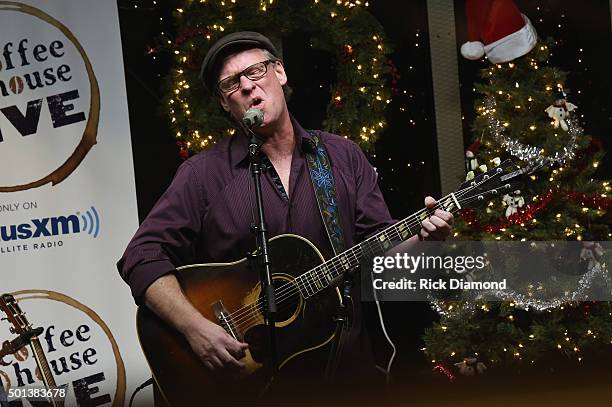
473, 50
514, 45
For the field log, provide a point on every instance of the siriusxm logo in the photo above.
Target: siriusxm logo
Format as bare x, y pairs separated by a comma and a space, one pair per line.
89, 223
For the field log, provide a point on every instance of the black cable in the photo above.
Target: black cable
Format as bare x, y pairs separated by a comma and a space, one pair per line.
142, 386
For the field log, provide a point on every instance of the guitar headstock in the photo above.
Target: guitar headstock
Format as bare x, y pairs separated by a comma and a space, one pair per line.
502, 179
14, 314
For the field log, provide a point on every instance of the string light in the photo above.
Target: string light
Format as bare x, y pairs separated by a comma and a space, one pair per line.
183, 45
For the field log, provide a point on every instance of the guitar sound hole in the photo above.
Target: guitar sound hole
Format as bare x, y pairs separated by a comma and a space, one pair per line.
288, 300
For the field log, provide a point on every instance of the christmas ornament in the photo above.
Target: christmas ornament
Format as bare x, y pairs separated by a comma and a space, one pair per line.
592, 253
338, 101
525, 152
559, 111
471, 366
498, 29
183, 149
471, 163
513, 203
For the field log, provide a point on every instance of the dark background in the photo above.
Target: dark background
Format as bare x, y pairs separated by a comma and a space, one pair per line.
406, 155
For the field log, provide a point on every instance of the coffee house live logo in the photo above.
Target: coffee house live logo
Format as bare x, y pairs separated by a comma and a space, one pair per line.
49, 99
80, 349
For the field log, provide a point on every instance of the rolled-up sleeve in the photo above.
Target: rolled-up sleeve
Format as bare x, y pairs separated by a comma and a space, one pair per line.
166, 237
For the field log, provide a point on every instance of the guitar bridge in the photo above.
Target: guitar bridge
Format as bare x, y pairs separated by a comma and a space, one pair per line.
225, 320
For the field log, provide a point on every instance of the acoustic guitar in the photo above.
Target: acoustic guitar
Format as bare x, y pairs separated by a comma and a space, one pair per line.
306, 294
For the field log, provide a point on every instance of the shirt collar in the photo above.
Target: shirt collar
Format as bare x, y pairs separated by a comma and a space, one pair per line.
239, 144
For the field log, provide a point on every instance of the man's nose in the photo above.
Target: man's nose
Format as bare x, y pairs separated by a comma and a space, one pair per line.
246, 85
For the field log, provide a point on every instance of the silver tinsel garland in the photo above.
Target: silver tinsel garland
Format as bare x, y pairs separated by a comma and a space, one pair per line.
527, 153
526, 302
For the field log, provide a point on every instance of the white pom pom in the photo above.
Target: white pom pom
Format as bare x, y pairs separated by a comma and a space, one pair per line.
473, 50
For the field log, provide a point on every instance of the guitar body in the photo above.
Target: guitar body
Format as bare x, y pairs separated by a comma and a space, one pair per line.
230, 294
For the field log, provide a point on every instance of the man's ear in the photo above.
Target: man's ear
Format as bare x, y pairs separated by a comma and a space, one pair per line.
223, 102
279, 71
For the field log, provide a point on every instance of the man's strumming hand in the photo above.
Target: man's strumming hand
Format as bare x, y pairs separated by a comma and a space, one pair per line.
214, 346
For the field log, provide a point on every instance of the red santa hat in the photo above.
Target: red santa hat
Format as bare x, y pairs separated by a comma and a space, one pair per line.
473, 148
498, 29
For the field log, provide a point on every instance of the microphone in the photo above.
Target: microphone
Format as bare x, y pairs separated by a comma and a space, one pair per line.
253, 118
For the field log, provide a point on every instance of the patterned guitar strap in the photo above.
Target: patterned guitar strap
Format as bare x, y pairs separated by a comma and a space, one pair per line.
322, 179
325, 191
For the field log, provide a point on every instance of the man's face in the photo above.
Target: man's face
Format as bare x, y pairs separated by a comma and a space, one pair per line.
265, 93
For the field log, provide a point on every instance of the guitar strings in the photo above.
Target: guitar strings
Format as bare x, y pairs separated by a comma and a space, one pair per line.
248, 312
286, 291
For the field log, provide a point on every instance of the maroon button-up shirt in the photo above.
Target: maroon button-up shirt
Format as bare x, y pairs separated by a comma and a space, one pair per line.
205, 214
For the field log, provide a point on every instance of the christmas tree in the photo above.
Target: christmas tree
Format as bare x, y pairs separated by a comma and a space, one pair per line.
524, 113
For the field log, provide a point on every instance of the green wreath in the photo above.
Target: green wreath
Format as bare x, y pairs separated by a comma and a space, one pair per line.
359, 95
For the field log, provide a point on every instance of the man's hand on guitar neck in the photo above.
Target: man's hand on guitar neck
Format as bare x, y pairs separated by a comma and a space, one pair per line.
215, 347
439, 225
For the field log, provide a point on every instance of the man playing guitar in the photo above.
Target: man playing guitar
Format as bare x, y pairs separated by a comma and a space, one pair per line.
206, 213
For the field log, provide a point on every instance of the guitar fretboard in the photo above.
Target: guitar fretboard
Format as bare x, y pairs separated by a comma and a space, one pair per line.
322, 276
47, 376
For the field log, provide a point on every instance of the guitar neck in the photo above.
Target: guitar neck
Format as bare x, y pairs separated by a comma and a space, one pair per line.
21, 326
45, 371
322, 276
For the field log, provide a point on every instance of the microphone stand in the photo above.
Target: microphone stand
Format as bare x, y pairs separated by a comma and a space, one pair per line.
262, 256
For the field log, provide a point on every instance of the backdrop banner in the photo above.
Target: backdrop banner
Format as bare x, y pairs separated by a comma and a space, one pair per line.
67, 199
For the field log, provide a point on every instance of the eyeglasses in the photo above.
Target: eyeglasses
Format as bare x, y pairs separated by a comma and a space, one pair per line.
253, 72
